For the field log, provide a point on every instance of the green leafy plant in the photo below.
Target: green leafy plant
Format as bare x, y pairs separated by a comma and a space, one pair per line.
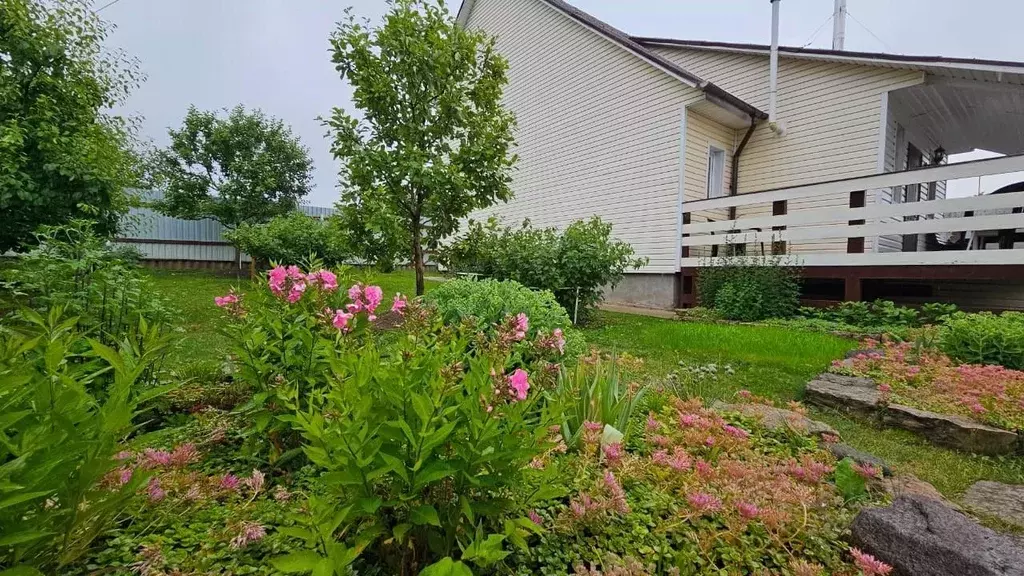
426, 444
594, 392
292, 239
881, 315
433, 142
74, 268
62, 416
576, 264
851, 484
750, 288
63, 155
489, 302
985, 338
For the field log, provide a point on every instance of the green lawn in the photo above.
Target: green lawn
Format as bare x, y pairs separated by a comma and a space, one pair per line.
768, 361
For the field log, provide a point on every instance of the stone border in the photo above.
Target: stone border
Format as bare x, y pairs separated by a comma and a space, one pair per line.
860, 396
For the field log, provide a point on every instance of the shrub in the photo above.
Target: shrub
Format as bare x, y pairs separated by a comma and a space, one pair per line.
881, 314
64, 415
750, 288
491, 301
596, 400
292, 239
985, 338
74, 268
427, 444
575, 264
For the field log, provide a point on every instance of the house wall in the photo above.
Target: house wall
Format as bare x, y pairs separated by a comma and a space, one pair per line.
832, 114
701, 134
599, 129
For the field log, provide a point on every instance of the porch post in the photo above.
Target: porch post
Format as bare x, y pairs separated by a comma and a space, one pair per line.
852, 290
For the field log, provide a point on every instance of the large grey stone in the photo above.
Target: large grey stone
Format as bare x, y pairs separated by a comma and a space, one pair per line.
840, 451
1004, 501
951, 430
845, 393
775, 418
921, 536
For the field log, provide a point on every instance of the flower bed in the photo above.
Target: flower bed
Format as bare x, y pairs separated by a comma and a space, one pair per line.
922, 378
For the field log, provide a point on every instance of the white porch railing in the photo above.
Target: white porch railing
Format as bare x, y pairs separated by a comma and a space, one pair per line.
977, 217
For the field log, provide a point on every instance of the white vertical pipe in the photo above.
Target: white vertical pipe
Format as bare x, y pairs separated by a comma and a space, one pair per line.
773, 76
839, 25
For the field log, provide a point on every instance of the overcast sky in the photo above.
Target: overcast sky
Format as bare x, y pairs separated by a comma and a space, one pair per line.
272, 54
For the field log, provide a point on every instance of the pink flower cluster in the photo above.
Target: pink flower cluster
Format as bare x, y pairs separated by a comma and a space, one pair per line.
232, 302
868, 564
555, 341
248, 532
518, 384
930, 380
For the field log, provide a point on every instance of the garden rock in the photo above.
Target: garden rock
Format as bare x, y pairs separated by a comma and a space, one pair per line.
951, 430
910, 485
1004, 501
840, 451
846, 393
776, 418
921, 536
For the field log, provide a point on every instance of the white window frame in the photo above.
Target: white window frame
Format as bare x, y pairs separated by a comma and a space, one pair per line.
716, 172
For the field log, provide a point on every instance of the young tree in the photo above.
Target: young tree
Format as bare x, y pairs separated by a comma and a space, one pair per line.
245, 168
58, 150
434, 142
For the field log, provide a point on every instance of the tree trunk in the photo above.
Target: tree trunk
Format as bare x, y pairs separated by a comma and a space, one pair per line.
417, 255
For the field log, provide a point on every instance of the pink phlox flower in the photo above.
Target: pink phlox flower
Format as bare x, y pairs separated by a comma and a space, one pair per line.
559, 340
341, 320
521, 324
328, 280
535, 518
155, 458
229, 482
296, 291
154, 491
748, 510
373, 295
295, 273
228, 300
255, 482
702, 502
399, 304
868, 564
519, 384
276, 279
355, 293
354, 308
248, 532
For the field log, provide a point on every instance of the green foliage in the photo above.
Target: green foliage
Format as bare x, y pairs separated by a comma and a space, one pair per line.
434, 142
751, 288
422, 459
72, 267
491, 301
291, 239
985, 338
881, 315
59, 148
62, 416
242, 168
576, 264
850, 483
594, 391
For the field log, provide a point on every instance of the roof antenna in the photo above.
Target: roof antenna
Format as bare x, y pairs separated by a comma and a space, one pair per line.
773, 76
839, 25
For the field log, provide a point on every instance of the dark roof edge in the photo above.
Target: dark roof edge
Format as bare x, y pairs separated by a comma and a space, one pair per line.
643, 40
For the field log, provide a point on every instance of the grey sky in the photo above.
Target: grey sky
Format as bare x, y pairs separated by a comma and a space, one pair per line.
272, 54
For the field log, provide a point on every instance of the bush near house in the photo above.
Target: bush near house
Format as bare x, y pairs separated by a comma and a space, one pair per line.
750, 288
575, 264
985, 338
882, 314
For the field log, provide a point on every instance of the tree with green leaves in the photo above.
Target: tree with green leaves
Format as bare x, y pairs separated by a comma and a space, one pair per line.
60, 152
244, 168
433, 143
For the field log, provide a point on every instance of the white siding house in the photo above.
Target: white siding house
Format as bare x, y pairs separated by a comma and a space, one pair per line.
657, 136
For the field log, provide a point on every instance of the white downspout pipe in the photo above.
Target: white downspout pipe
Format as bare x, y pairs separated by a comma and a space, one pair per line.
773, 75
839, 25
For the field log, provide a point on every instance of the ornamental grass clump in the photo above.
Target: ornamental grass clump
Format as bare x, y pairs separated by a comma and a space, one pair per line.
923, 378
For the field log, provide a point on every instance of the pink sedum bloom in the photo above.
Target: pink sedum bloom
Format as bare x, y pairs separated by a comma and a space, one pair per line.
154, 491
613, 453
229, 482
155, 458
248, 532
255, 482
868, 564
748, 510
703, 503
535, 518
183, 455
519, 384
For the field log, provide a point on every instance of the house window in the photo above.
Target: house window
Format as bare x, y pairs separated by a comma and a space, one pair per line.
716, 173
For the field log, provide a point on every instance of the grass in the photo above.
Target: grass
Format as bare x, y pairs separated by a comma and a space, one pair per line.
768, 361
